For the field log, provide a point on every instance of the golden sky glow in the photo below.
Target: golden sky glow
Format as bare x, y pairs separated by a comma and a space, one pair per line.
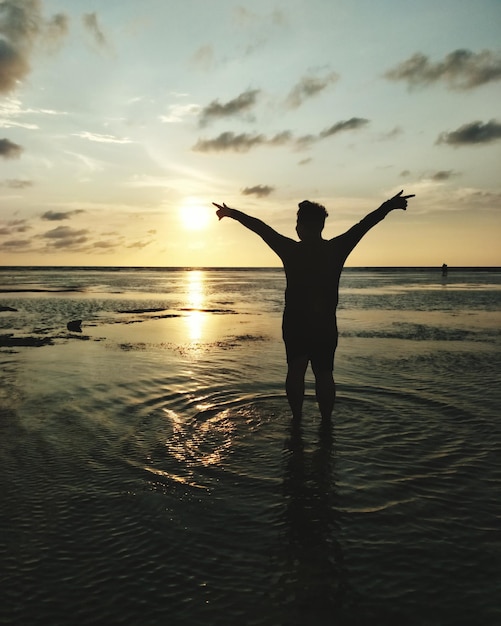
122, 122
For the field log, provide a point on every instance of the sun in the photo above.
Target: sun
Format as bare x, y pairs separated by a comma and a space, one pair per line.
195, 216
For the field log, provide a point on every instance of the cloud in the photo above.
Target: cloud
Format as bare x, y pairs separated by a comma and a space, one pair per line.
9, 149
177, 112
352, 124
91, 24
15, 226
21, 26
57, 216
442, 175
391, 134
11, 124
11, 110
240, 143
245, 17
441, 198
102, 138
15, 183
13, 66
203, 58
244, 142
461, 69
16, 245
471, 134
438, 176
104, 245
66, 237
57, 28
308, 87
238, 105
261, 191
139, 245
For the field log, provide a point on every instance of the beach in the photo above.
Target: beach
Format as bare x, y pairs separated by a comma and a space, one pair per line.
150, 472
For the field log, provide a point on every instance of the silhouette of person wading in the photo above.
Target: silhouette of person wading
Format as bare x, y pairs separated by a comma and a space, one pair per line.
312, 267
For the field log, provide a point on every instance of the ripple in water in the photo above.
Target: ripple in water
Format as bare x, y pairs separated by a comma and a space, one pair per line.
199, 507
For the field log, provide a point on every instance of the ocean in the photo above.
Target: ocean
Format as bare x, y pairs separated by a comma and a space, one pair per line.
150, 473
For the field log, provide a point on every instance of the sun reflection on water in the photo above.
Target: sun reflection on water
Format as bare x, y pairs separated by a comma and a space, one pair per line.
195, 303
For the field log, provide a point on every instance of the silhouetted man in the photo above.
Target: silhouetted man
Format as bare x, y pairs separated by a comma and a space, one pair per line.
312, 267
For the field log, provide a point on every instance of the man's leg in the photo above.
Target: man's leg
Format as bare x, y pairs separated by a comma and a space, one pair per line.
325, 389
322, 364
294, 384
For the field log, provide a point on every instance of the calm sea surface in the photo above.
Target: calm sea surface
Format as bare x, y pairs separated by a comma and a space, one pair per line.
149, 474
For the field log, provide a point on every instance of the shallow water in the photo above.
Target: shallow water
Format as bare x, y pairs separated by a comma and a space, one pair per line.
151, 474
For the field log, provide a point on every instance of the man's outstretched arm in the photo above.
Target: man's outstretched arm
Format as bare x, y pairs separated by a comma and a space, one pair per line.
267, 233
359, 230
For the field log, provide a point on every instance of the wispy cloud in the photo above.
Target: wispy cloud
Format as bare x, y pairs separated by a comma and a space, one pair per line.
240, 143
57, 28
16, 183
203, 58
244, 142
461, 69
441, 176
353, 123
13, 124
66, 237
261, 191
308, 87
139, 245
11, 111
391, 134
91, 23
241, 104
14, 226
245, 17
13, 246
178, 112
9, 149
102, 138
473, 133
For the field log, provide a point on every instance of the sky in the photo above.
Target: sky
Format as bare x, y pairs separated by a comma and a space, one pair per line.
121, 122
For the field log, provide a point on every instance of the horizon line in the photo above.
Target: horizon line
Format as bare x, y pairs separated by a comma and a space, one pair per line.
242, 267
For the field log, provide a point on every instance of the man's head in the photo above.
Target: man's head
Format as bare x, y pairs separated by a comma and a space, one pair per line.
310, 219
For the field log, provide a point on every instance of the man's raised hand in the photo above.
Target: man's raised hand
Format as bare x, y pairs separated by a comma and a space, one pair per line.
398, 201
222, 210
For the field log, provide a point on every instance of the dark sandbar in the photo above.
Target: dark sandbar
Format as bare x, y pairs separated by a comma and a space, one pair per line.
141, 310
35, 290
9, 341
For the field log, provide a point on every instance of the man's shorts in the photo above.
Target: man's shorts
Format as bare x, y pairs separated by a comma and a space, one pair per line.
315, 338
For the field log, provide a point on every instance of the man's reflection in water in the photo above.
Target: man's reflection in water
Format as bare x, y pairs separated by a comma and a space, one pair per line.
315, 581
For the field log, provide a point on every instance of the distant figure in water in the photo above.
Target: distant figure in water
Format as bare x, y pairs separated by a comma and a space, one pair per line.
312, 267
444, 269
